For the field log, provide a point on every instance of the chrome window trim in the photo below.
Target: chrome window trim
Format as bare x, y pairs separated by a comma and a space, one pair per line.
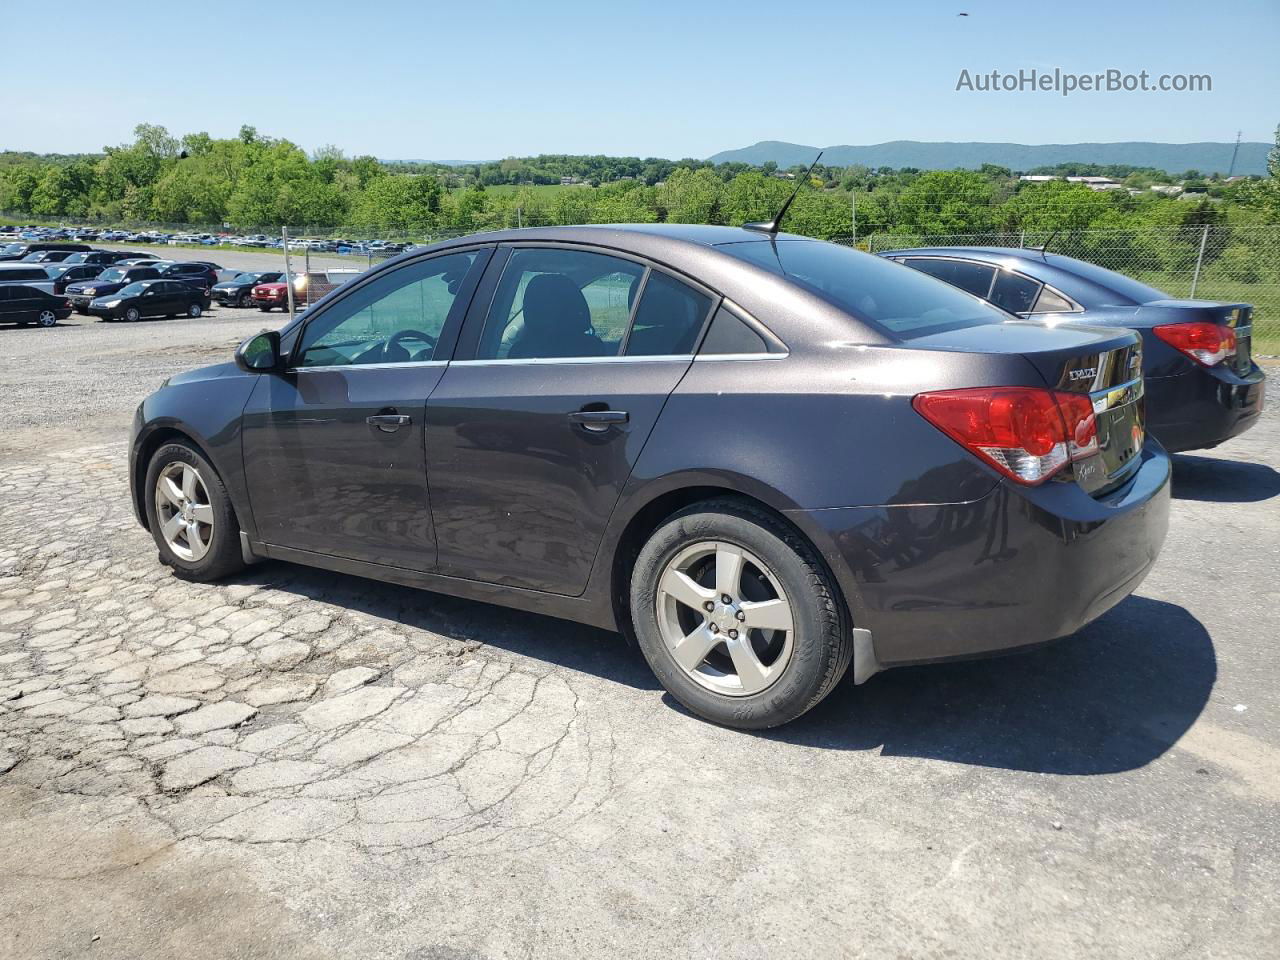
706, 357
543, 361
369, 366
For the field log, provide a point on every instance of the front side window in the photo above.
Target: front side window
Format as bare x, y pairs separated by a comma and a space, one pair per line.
1014, 292
560, 304
397, 318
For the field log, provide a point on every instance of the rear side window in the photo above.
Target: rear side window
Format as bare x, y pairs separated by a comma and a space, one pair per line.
897, 299
1050, 301
560, 304
1014, 292
668, 320
731, 334
971, 277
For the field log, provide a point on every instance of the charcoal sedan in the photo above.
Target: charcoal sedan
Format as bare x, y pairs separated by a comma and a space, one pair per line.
151, 298
238, 291
764, 458
1202, 384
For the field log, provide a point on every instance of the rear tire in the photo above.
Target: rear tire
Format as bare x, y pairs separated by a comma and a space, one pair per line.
194, 311
190, 515
751, 677
47, 318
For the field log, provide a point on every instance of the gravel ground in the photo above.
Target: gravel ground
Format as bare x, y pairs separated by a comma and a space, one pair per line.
303, 764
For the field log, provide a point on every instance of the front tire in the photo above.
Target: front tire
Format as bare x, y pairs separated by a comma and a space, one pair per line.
244, 301
133, 315
190, 515
737, 615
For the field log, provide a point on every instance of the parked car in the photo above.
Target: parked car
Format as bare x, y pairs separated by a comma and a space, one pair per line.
28, 273
103, 257
268, 296
46, 256
238, 291
16, 251
62, 275
199, 275
151, 298
765, 456
1202, 385
23, 305
80, 295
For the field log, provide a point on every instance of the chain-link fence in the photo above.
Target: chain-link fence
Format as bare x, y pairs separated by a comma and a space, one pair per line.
1209, 263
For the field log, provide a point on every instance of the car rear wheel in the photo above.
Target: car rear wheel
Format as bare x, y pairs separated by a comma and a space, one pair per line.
47, 318
194, 311
190, 515
737, 615
132, 314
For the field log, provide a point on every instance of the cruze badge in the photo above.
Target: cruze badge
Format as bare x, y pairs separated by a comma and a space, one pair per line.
1084, 373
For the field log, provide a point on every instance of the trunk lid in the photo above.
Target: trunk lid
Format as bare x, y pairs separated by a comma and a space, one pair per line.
1105, 363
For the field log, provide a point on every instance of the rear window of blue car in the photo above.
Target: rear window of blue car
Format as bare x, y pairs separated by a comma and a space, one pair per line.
1129, 290
903, 302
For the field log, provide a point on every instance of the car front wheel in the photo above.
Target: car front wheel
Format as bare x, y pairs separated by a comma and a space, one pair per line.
737, 615
190, 515
132, 314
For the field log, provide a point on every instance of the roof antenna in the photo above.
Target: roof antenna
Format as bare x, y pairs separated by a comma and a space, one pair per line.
771, 227
1044, 247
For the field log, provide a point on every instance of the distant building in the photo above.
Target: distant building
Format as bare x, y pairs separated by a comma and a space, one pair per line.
1168, 189
1037, 178
1097, 183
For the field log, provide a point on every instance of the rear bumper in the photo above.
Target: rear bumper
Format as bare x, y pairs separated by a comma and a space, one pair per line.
1203, 407
1017, 568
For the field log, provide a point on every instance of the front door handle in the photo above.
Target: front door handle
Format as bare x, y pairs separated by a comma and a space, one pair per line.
598, 421
388, 422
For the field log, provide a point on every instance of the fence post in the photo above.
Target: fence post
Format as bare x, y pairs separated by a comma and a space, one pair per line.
288, 270
1022, 239
1195, 277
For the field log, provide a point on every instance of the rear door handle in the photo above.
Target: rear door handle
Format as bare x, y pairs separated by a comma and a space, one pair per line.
598, 421
388, 422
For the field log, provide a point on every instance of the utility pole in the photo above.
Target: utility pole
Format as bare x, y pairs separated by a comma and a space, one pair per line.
288, 270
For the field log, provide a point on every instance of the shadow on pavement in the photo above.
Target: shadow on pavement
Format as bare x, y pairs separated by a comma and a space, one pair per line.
578, 647
1223, 481
1113, 697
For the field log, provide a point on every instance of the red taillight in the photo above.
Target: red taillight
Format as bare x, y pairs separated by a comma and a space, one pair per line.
1028, 434
1207, 344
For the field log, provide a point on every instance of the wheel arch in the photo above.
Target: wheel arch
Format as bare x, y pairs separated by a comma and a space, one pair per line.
645, 517
146, 447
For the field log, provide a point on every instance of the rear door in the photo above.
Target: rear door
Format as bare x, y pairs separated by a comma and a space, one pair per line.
333, 446
566, 361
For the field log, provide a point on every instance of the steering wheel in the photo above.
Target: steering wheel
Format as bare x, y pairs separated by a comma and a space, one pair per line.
394, 341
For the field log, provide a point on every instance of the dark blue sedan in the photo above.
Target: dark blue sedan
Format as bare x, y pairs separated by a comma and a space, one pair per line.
1202, 384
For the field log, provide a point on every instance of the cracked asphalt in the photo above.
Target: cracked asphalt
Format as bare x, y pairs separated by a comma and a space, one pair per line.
302, 764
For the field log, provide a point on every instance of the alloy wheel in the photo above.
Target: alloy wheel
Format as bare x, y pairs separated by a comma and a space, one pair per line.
184, 511
47, 318
725, 618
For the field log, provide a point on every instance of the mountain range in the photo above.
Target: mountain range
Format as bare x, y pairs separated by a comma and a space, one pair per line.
1207, 157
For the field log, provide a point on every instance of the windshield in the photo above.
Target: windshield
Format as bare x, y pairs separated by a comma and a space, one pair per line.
247, 278
55, 272
15, 248
902, 301
114, 273
132, 290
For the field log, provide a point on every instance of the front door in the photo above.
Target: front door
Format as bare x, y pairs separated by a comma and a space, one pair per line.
530, 441
333, 447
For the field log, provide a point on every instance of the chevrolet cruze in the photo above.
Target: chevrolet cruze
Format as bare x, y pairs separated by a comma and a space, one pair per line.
763, 457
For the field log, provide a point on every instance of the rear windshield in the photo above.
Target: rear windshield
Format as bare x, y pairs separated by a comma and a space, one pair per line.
903, 302
1131, 290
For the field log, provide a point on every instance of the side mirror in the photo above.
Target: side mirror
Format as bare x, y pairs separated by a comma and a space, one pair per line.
260, 353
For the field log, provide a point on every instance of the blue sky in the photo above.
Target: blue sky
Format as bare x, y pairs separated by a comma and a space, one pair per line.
461, 81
